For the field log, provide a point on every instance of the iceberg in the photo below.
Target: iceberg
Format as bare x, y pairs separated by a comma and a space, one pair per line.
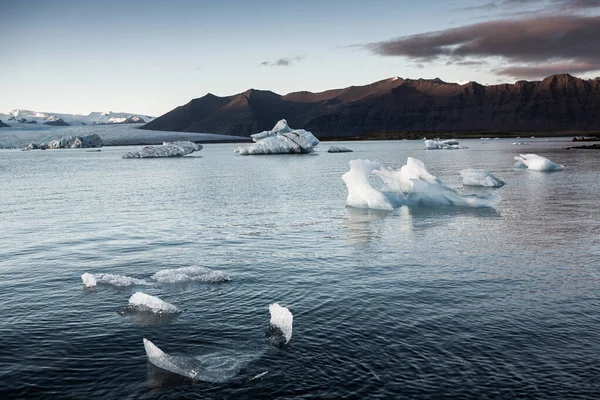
68, 142
168, 149
142, 302
536, 163
412, 185
339, 149
280, 140
89, 280
118, 280
189, 274
281, 320
216, 367
450, 144
480, 177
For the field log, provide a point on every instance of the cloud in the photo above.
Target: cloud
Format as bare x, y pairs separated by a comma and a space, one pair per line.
565, 41
282, 62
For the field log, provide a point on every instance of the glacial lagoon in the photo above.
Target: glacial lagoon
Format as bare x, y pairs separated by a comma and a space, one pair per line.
416, 302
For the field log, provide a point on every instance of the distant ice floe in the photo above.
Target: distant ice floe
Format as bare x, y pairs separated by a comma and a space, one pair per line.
480, 177
280, 140
339, 149
168, 149
282, 320
536, 163
68, 142
215, 367
189, 274
450, 144
412, 185
142, 302
91, 280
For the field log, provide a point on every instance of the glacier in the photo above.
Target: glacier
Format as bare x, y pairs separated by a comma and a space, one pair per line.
22, 116
189, 274
281, 320
537, 163
217, 367
450, 144
168, 149
142, 302
280, 140
480, 177
411, 186
339, 149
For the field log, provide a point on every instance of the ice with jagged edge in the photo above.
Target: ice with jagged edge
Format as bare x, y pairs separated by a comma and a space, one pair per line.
142, 302
215, 367
280, 140
167, 149
412, 185
536, 163
339, 149
111, 279
480, 177
189, 274
89, 280
282, 319
450, 144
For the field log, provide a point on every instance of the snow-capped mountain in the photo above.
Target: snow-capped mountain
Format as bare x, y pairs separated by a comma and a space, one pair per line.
14, 117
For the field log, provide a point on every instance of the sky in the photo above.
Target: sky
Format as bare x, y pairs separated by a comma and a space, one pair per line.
148, 57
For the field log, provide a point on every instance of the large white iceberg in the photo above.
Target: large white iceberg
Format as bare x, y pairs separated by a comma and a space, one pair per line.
280, 140
188, 274
537, 163
168, 149
412, 185
282, 319
216, 367
450, 144
480, 177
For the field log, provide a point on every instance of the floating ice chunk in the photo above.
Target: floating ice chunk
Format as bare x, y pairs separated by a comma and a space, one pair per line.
168, 149
360, 192
339, 149
188, 274
450, 144
144, 302
412, 185
282, 319
280, 140
215, 367
480, 177
89, 280
119, 280
537, 163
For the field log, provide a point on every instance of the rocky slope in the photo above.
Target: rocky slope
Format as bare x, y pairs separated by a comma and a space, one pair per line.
557, 103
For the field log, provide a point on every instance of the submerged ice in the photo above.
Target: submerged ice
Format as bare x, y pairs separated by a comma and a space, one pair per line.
143, 302
281, 319
216, 367
480, 177
91, 280
189, 274
167, 149
536, 163
280, 140
412, 185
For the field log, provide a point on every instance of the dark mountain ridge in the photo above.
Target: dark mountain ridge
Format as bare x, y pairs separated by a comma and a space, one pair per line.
557, 103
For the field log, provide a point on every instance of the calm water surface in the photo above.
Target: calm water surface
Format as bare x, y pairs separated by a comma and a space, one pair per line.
415, 303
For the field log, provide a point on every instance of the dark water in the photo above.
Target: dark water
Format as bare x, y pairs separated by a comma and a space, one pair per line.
415, 303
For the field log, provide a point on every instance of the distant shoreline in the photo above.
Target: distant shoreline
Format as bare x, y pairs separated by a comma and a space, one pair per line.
458, 135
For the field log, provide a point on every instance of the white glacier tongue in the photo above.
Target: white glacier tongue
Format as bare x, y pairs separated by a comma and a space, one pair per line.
280, 140
537, 163
282, 319
480, 177
168, 149
412, 185
189, 274
450, 144
215, 367
144, 302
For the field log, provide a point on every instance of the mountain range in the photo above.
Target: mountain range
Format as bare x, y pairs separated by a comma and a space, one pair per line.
17, 117
557, 103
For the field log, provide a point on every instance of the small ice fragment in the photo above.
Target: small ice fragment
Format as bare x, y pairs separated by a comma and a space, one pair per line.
189, 274
89, 280
537, 163
119, 280
339, 149
168, 149
144, 302
450, 144
480, 177
282, 318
